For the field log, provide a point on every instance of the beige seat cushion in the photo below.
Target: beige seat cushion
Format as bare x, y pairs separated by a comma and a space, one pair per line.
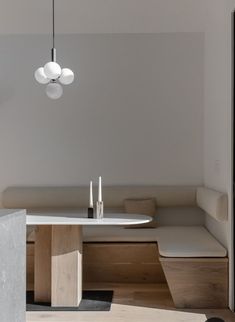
190, 241
119, 234
143, 207
194, 241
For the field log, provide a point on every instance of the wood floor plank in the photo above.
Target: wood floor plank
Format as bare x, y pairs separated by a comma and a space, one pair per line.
134, 302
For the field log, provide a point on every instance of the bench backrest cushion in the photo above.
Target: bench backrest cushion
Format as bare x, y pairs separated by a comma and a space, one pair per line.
213, 202
114, 196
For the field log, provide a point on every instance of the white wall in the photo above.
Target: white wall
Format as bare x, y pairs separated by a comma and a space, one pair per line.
102, 16
134, 114
218, 112
217, 141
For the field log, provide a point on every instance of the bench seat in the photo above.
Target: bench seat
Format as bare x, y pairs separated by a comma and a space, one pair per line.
194, 263
119, 234
195, 266
190, 241
183, 241
194, 241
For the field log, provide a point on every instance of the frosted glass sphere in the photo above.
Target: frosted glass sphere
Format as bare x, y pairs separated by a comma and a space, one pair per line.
67, 76
40, 76
54, 90
52, 70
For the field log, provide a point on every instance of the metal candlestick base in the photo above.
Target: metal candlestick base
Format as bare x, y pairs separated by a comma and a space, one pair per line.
99, 210
90, 212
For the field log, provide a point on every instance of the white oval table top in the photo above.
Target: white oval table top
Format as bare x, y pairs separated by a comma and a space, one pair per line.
76, 217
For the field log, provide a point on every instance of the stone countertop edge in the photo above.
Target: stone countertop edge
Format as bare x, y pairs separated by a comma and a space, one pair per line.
12, 212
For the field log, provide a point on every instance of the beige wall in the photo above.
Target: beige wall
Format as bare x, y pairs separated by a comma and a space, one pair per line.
218, 112
102, 16
134, 114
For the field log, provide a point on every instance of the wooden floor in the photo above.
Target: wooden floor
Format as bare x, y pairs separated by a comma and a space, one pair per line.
134, 302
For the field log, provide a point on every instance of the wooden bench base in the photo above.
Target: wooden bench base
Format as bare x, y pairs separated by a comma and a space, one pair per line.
113, 263
193, 282
197, 282
122, 263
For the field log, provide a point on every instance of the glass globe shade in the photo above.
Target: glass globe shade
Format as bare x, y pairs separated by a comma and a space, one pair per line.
67, 76
52, 70
54, 90
40, 76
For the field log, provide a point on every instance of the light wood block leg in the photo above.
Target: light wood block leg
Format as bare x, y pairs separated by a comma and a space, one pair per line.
42, 264
66, 265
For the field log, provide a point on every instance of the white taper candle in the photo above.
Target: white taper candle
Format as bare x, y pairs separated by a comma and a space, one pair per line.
100, 190
91, 195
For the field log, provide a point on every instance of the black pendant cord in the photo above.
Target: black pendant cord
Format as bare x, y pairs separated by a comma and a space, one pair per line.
53, 50
53, 23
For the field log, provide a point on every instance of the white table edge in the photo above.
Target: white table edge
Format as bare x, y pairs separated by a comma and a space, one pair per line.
117, 219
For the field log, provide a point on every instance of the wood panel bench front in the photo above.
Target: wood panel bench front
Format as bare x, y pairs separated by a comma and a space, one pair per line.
193, 282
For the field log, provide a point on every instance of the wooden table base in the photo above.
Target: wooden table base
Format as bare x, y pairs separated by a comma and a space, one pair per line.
42, 264
58, 265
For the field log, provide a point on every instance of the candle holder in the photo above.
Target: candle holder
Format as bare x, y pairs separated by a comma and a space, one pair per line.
90, 212
99, 210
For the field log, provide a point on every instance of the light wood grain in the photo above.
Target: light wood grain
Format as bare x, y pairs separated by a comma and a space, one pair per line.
197, 283
115, 263
121, 252
123, 273
138, 294
122, 263
194, 282
66, 265
30, 266
135, 302
42, 264
194, 260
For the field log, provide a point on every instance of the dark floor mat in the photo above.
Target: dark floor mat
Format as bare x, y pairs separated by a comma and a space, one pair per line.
91, 301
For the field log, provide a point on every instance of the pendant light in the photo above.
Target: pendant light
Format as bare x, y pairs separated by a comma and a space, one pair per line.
52, 74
